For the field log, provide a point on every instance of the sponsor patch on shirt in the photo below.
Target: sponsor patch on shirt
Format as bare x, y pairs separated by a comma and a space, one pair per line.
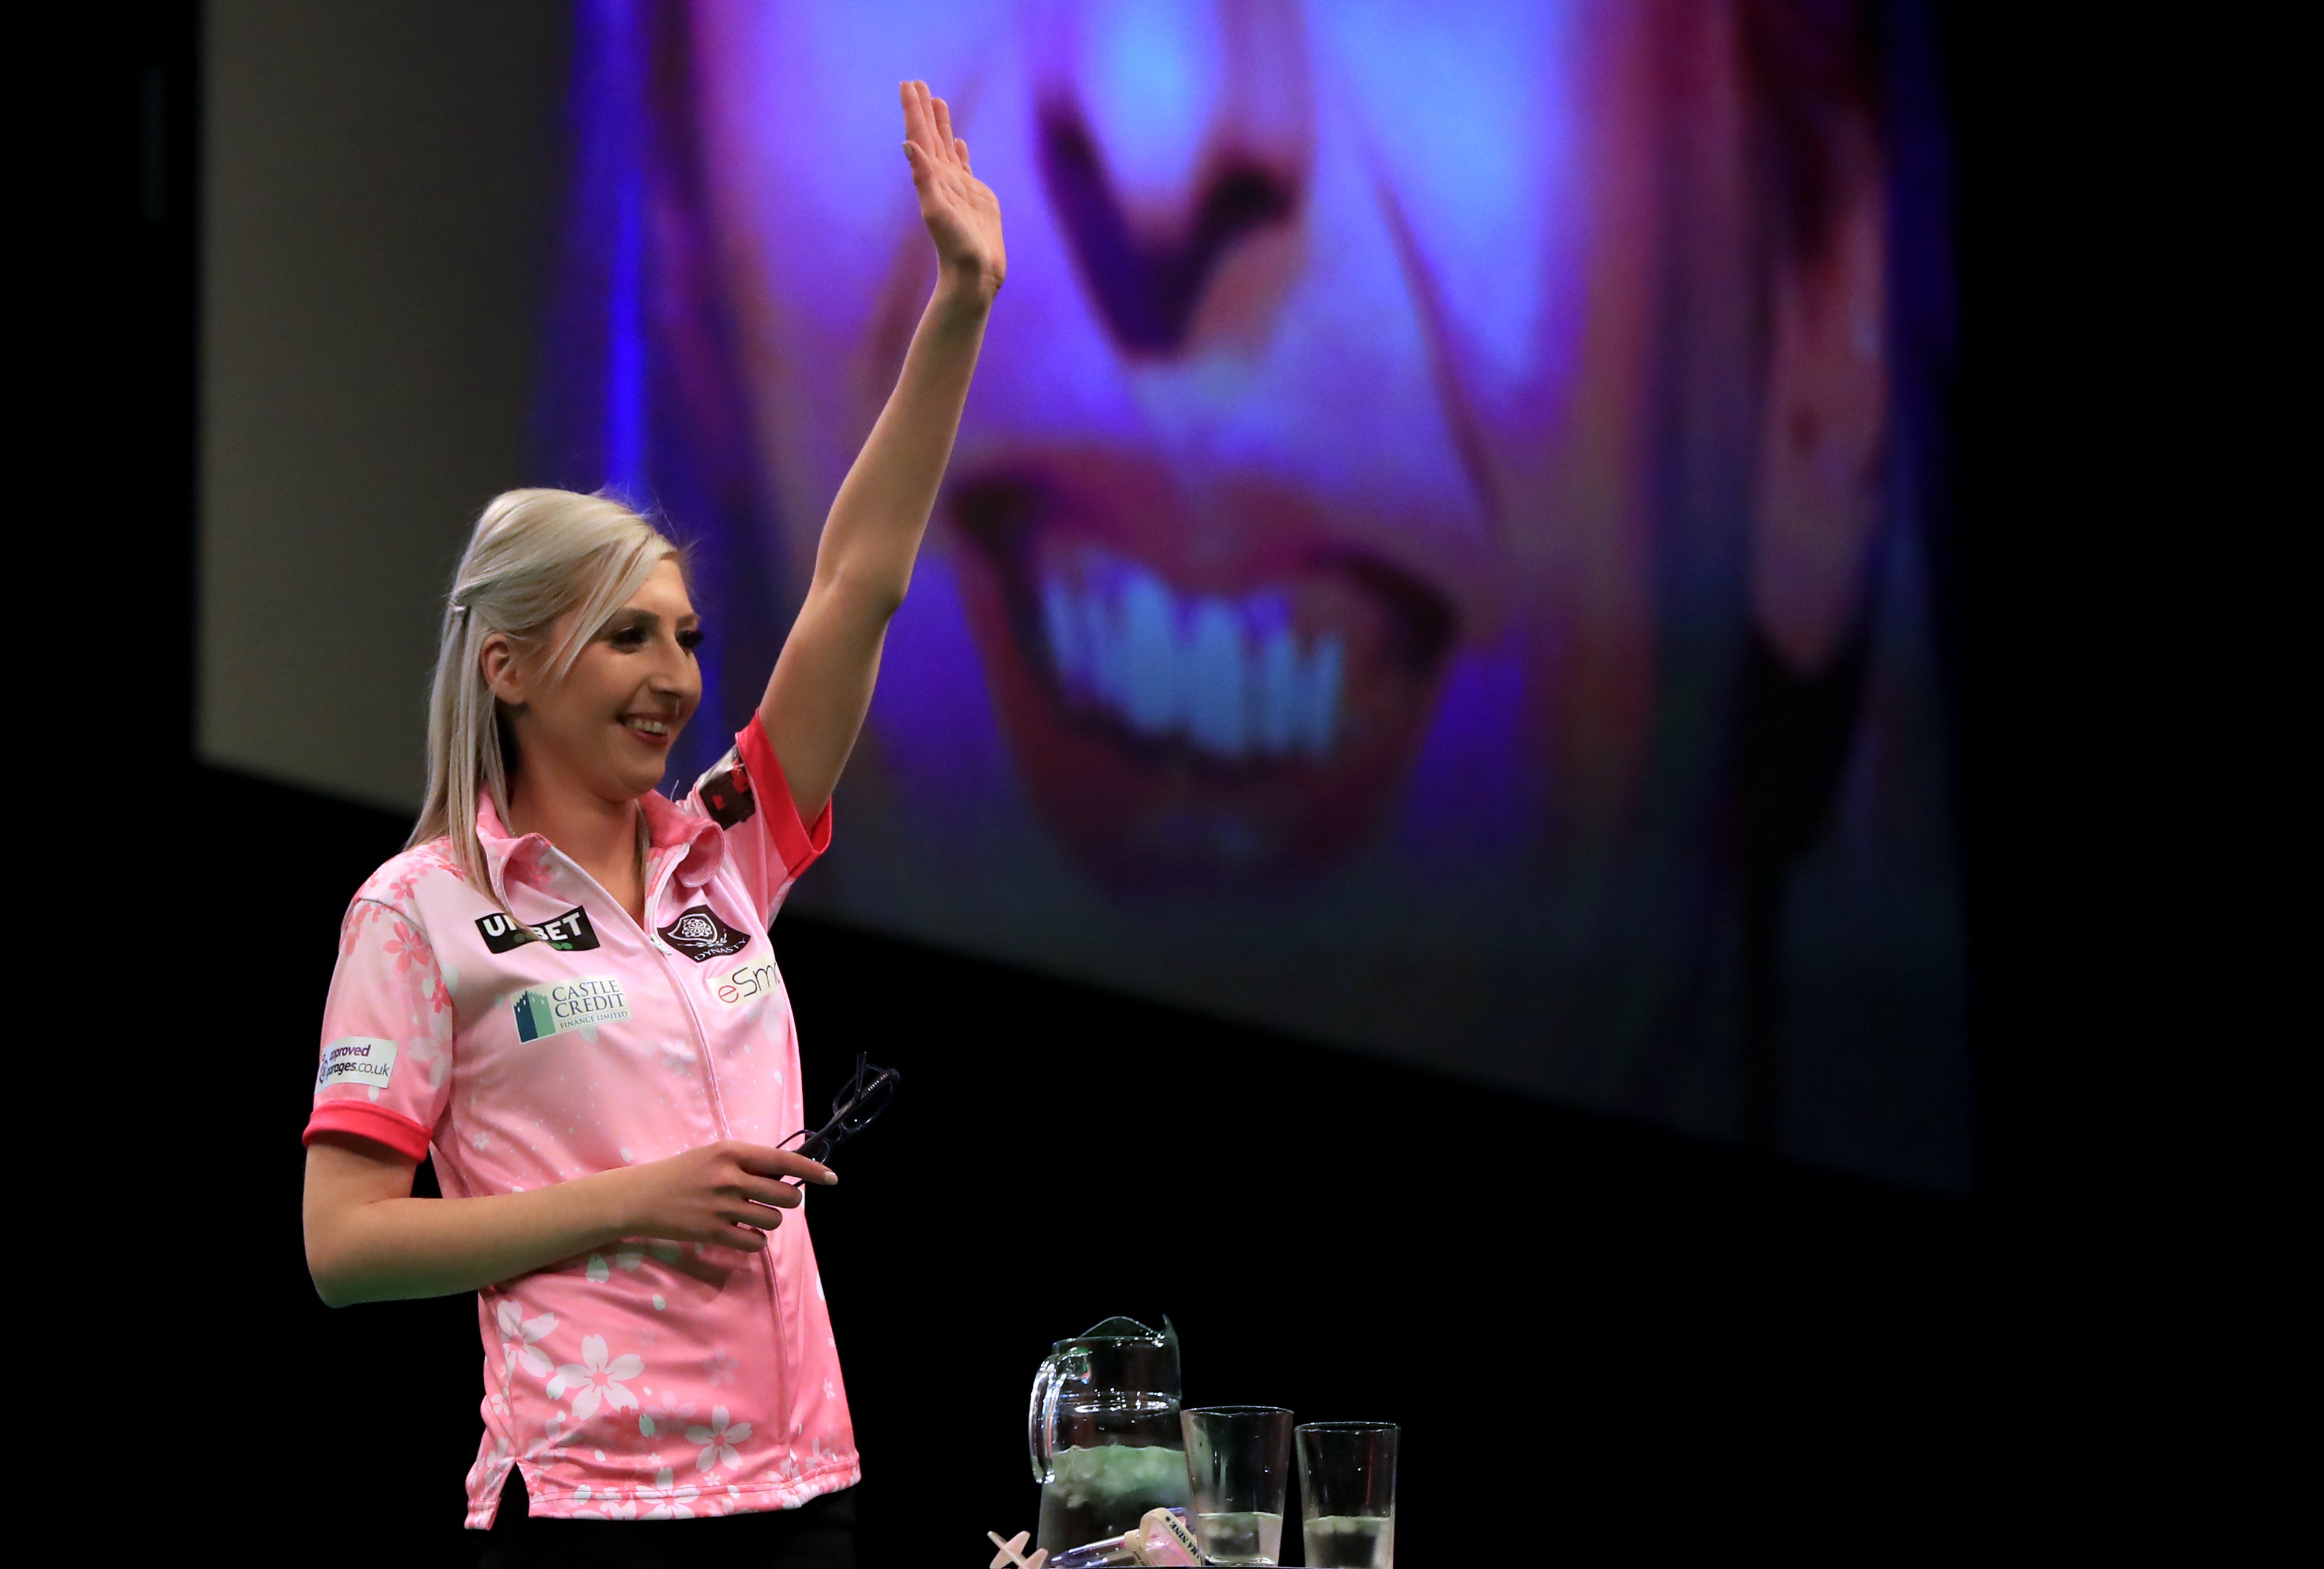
361, 1060
545, 1011
725, 792
748, 980
702, 937
569, 933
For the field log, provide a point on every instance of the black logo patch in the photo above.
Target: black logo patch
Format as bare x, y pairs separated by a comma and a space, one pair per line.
570, 933
725, 792
702, 937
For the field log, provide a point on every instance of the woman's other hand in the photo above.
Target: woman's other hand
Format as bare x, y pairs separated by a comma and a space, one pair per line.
962, 214
368, 1240
728, 1194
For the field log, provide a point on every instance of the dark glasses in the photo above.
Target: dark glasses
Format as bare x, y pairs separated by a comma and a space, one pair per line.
855, 1108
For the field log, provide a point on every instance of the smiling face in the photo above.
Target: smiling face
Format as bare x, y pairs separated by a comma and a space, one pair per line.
1320, 390
607, 726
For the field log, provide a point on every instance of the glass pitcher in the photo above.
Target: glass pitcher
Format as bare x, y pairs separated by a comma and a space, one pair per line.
1103, 1429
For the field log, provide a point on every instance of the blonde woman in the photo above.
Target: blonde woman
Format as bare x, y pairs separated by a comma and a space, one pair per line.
564, 989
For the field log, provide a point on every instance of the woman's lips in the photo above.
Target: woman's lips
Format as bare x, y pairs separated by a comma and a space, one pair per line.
1226, 697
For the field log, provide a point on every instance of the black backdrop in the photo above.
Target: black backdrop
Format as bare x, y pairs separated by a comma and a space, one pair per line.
1553, 1306
1609, 1333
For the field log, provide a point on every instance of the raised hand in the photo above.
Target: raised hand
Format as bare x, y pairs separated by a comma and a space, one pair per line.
821, 690
962, 214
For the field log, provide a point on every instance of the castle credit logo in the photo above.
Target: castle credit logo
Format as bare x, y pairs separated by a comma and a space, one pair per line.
545, 1011
702, 937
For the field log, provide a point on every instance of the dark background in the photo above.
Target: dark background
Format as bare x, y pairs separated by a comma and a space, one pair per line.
1588, 1329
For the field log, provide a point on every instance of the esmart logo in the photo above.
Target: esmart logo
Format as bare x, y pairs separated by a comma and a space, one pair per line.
545, 1011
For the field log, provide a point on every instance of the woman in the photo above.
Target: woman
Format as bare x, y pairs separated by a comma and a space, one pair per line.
564, 987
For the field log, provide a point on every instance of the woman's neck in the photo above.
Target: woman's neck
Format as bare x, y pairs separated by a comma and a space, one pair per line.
599, 836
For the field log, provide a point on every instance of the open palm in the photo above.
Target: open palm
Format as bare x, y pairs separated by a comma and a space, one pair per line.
962, 214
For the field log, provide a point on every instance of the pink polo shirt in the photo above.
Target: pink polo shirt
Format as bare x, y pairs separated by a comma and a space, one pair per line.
654, 1379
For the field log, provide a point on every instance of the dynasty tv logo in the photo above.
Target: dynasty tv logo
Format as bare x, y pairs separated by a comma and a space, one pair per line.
542, 1011
702, 937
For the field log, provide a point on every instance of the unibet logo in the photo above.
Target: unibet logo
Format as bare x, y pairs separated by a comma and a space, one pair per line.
545, 1011
569, 933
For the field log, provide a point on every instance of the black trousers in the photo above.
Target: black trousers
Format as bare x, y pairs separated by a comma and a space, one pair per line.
819, 1534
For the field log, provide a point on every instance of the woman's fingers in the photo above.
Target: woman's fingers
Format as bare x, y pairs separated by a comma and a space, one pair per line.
927, 126
765, 1190
715, 1231
755, 1217
920, 125
764, 1161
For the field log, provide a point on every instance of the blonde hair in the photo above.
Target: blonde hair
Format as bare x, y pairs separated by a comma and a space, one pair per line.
536, 556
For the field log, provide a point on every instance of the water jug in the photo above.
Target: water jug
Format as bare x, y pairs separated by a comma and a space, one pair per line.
1103, 1429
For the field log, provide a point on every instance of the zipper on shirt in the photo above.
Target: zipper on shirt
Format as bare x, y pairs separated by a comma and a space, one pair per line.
692, 1017
677, 979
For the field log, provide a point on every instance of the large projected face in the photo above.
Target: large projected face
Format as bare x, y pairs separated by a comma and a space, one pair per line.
1292, 401
1401, 423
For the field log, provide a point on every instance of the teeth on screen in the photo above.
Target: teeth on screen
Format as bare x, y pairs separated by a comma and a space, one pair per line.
1227, 676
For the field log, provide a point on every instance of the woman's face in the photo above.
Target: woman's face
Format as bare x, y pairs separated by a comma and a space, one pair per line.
608, 725
1308, 447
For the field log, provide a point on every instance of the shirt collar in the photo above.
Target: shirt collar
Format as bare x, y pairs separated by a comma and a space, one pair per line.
696, 841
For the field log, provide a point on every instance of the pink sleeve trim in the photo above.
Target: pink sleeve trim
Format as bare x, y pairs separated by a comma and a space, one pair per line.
799, 844
365, 1120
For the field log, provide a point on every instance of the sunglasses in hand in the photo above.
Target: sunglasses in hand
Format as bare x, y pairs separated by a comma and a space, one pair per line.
855, 1108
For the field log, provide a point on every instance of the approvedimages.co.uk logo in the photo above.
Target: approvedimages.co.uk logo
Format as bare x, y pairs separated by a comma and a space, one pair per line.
366, 1061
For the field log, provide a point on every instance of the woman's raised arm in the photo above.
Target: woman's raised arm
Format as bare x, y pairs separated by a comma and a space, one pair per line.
821, 688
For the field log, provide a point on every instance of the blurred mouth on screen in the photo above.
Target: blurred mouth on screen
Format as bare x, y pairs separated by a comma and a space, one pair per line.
1204, 692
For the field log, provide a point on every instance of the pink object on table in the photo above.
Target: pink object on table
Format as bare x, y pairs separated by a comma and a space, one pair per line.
1162, 1537
1012, 1550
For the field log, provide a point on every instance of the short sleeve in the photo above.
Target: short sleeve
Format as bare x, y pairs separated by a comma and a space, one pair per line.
386, 1072
747, 795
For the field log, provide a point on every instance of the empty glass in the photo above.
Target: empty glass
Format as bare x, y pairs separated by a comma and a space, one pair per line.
1237, 1469
1347, 1494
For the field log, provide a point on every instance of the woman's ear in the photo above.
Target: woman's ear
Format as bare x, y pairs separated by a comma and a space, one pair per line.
1823, 438
503, 672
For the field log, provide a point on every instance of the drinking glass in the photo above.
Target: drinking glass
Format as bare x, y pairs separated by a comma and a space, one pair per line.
1238, 1468
1347, 1494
